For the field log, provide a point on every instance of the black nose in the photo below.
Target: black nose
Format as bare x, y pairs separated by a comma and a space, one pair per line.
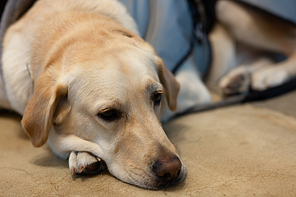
168, 167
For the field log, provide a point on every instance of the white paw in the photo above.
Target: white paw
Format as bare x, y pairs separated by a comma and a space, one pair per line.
193, 92
237, 81
269, 77
85, 163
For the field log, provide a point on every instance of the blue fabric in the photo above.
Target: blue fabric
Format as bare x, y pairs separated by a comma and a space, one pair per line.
139, 10
168, 29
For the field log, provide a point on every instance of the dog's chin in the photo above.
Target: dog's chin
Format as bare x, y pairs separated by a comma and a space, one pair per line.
155, 183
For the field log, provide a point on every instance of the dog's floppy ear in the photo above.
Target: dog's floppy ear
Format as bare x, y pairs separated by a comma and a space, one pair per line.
167, 79
40, 111
170, 84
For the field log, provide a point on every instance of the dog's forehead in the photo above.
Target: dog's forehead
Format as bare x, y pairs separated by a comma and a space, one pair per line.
138, 63
116, 77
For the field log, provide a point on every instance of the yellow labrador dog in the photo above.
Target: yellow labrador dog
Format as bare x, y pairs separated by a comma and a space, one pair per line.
87, 85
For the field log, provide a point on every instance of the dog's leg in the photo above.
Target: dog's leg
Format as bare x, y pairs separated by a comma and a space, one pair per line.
223, 54
83, 155
254, 29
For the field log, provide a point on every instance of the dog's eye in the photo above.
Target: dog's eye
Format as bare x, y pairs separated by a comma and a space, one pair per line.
110, 114
157, 98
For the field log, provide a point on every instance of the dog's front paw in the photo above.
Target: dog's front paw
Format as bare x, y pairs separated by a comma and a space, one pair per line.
85, 163
269, 77
237, 81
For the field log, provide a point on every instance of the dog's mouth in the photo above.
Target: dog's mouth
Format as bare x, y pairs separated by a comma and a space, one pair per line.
100, 167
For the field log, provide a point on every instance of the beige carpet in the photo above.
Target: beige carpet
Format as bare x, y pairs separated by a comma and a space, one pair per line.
236, 151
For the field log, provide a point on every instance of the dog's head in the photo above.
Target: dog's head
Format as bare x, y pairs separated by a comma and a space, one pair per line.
109, 93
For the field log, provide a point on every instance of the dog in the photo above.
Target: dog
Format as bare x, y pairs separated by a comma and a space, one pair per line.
87, 85
244, 42
91, 88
